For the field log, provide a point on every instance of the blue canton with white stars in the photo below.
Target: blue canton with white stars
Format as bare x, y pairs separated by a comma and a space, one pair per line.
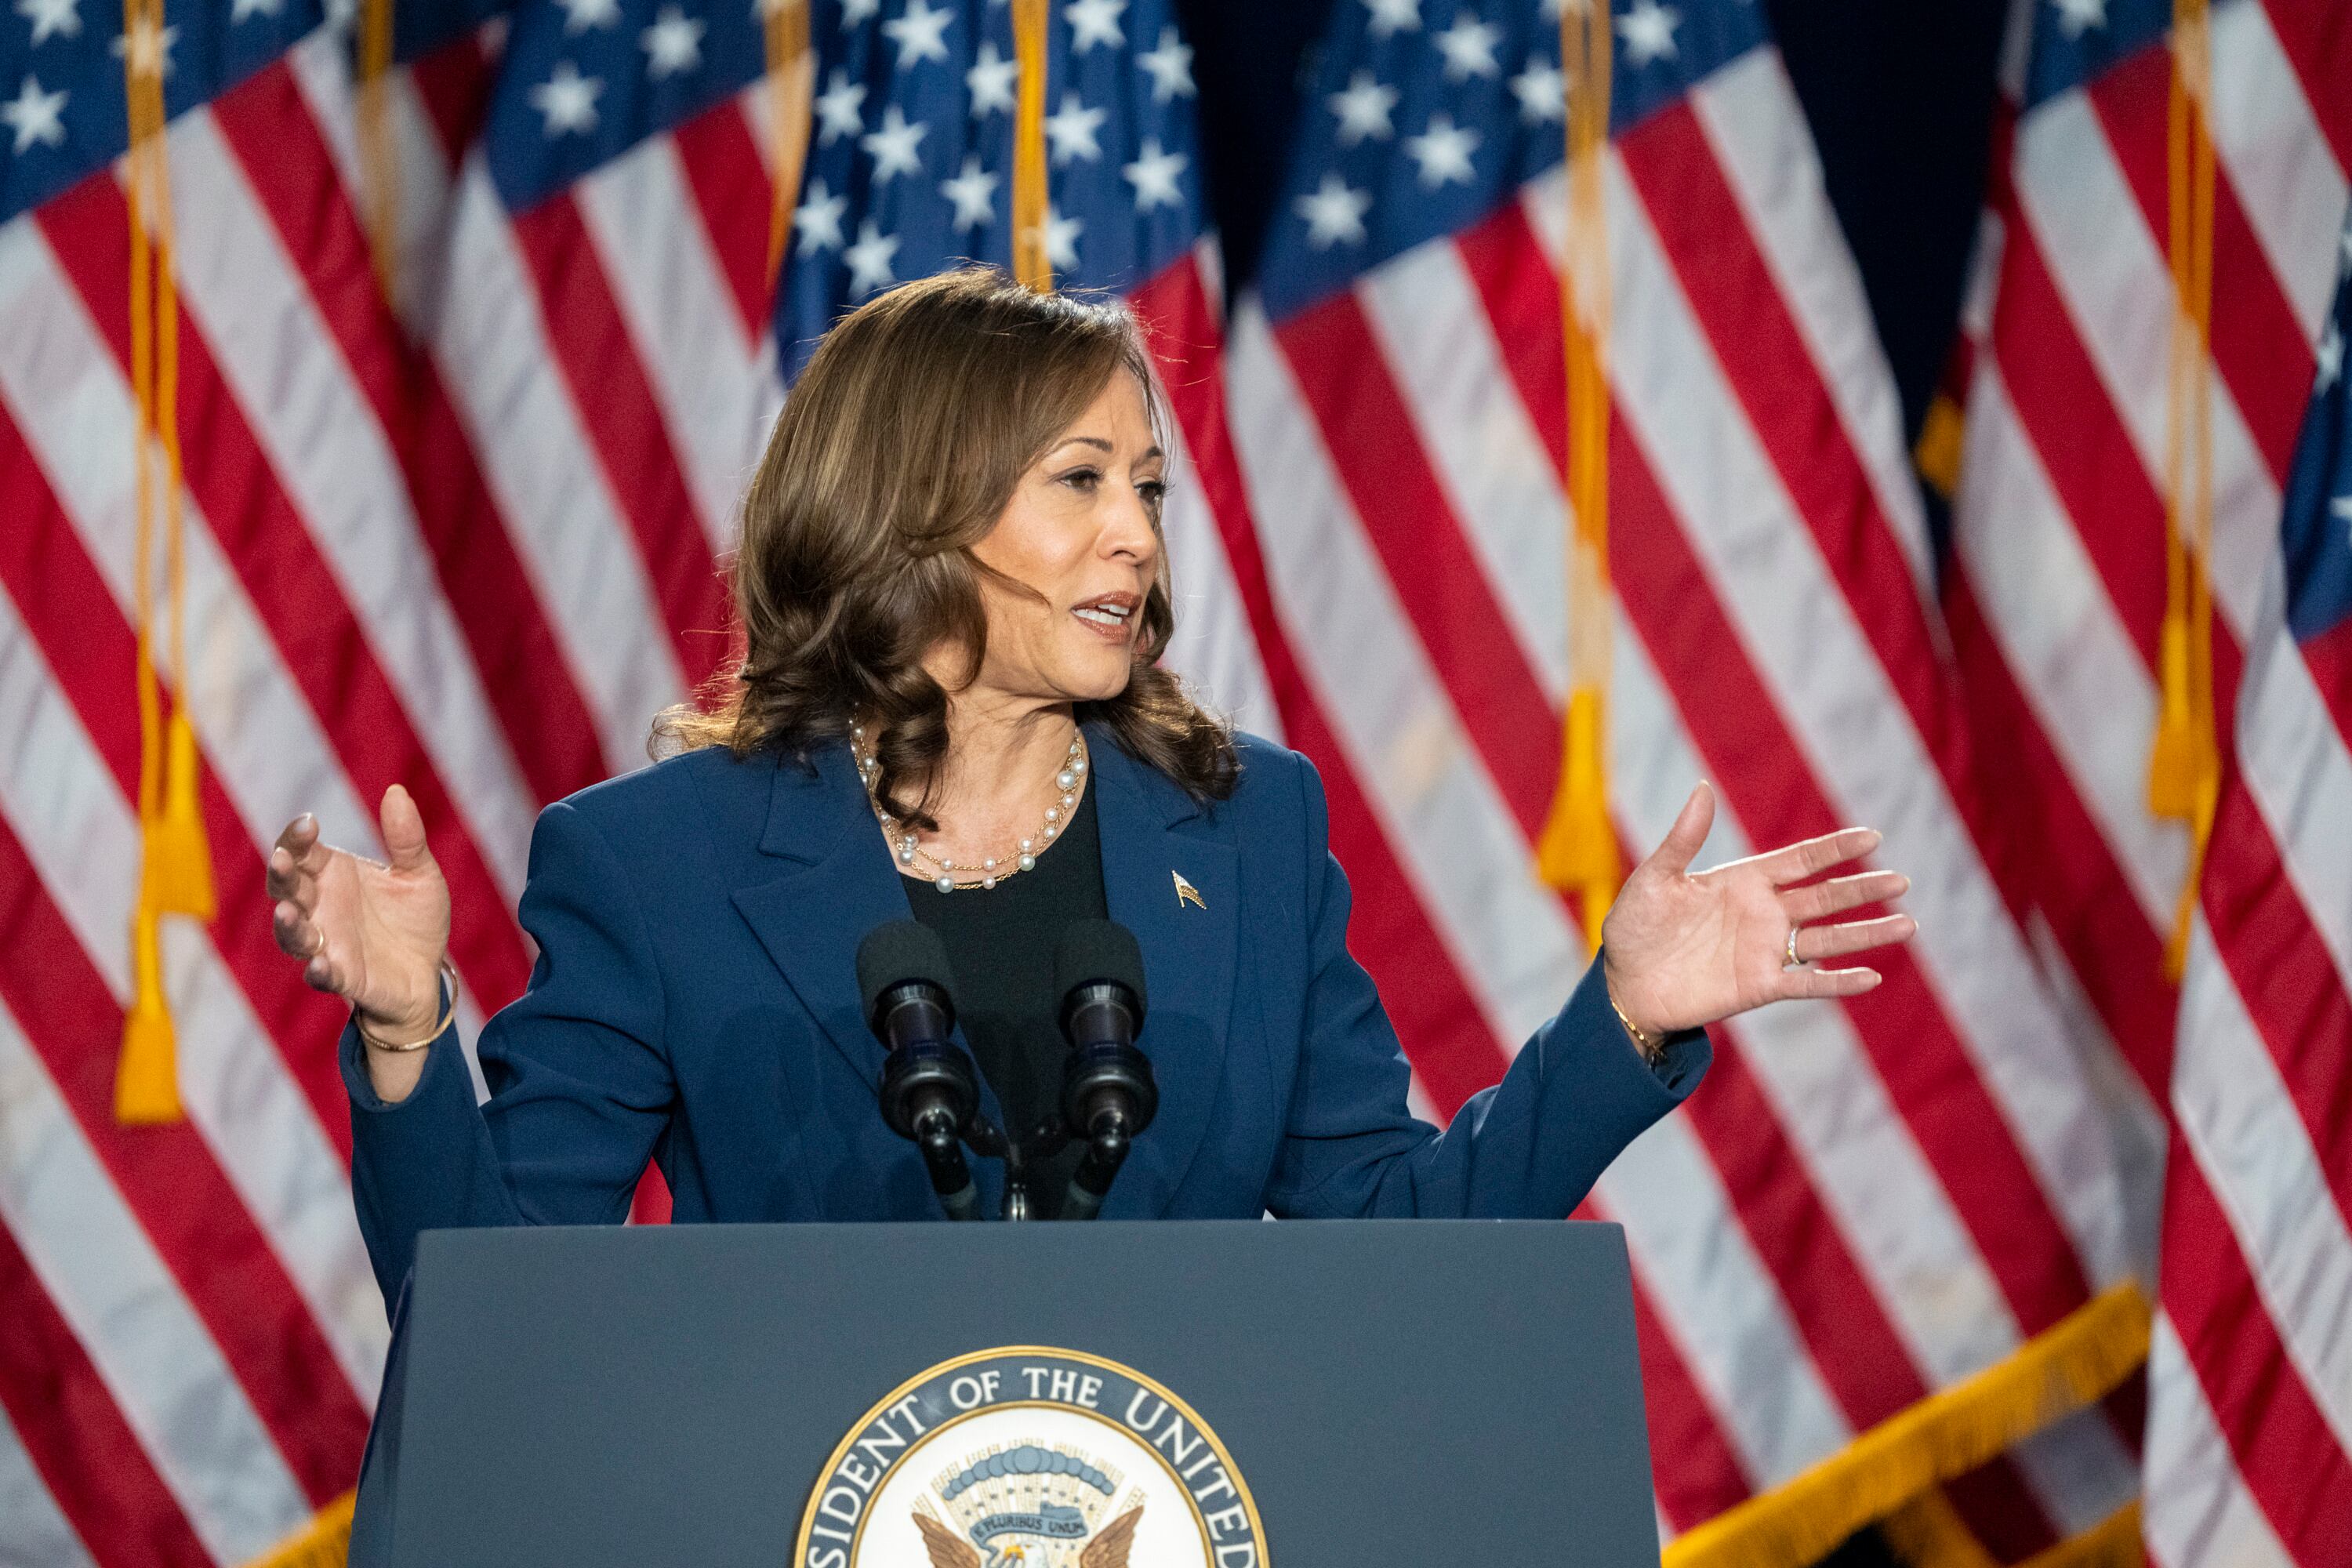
911, 154
2075, 40
1470, 92
2316, 528
62, 112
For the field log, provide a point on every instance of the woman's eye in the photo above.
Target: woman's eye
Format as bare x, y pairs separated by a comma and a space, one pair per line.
1083, 479
1153, 492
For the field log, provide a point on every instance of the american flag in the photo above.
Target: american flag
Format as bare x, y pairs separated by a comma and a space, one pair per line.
2250, 1438
2057, 597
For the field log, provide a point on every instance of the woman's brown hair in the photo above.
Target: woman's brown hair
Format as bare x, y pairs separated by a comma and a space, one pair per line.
898, 449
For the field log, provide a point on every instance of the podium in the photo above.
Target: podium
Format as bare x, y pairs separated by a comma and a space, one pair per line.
1329, 1394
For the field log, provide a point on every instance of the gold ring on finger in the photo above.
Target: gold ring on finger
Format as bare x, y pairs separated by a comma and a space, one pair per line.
1794, 959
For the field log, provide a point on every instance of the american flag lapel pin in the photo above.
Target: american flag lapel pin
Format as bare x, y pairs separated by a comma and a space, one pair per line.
1187, 894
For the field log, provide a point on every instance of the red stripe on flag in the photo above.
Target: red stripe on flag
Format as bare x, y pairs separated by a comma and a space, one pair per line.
454, 84
1692, 1465
1353, 395
734, 196
2258, 345
292, 590
2282, 969
67, 609
2065, 868
269, 127
92, 1461
225, 1268
2317, 40
589, 343
2286, 1452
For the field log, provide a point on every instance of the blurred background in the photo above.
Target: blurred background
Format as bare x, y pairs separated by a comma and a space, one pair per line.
1926, 416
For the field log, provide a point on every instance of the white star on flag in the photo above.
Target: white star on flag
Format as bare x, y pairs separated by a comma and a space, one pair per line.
2340, 508
869, 259
579, 16
62, 18
1153, 175
836, 108
147, 49
568, 100
1363, 109
34, 116
1334, 213
1095, 22
1061, 236
2076, 17
1541, 91
1469, 46
894, 146
1071, 129
673, 43
1390, 18
973, 192
853, 11
2331, 355
1648, 29
817, 220
990, 80
1442, 151
1170, 66
244, 8
921, 33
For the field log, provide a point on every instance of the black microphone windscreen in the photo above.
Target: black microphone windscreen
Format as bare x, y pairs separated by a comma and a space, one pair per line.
899, 952
1096, 950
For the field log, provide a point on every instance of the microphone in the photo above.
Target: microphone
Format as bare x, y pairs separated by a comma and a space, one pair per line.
928, 1091
1109, 1095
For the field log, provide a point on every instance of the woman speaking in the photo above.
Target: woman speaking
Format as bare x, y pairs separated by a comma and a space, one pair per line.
953, 595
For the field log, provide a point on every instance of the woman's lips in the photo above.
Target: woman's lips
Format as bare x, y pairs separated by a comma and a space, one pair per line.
1111, 617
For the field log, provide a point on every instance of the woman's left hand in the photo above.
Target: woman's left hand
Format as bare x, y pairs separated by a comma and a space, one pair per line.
1682, 949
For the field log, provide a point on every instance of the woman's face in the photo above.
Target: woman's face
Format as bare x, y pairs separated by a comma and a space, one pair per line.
1082, 530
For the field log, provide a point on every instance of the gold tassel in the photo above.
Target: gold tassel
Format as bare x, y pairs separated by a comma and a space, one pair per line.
147, 1076
1577, 849
785, 23
1952, 1431
176, 860
1937, 453
175, 866
1030, 262
378, 152
1928, 1533
2184, 774
324, 1542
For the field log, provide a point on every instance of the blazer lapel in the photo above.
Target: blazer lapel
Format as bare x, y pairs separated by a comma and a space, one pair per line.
1173, 882
837, 884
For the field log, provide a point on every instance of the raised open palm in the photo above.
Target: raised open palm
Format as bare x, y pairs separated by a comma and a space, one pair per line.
1684, 949
371, 931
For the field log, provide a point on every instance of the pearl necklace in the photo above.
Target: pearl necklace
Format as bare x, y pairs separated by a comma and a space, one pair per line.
994, 869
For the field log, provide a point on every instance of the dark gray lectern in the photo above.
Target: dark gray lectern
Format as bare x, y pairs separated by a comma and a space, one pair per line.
1388, 1391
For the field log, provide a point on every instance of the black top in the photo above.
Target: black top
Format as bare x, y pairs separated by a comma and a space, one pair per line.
1000, 941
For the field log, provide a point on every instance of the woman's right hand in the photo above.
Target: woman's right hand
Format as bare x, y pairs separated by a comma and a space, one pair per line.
372, 933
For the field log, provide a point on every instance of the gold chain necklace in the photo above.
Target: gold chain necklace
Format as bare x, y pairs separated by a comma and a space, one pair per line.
994, 869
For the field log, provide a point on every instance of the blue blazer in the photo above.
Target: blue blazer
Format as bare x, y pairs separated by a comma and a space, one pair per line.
695, 1003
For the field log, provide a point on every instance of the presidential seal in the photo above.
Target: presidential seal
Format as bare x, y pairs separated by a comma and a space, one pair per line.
1030, 1458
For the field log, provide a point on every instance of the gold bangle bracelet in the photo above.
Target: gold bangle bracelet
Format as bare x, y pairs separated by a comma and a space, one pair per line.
1647, 1045
446, 984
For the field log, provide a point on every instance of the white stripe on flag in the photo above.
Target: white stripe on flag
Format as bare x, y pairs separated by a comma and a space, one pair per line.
155, 1358
67, 396
1757, 133
2294, 756
2286, 178
683, 323
78, 831
322, 439
37, 1534
2077, 667
1213, 648
2197, 1512
2246, 1135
